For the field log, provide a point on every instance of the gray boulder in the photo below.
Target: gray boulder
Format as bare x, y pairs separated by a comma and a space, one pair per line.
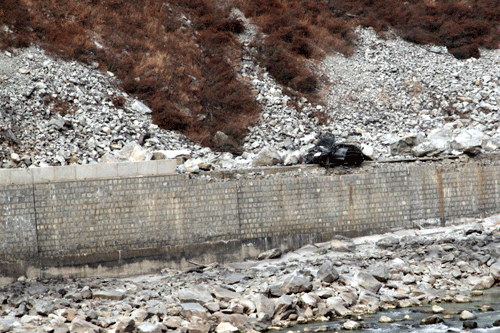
495, 270
190, 310
196, 294
108, 294
141, 107
131, 152
369, 299
80, 325
381, 273
367, 281
220, 139
296, 283
270, 254
308, 300
431, 320
481, 283
405, 144
388, 242
283, 304
475, 228
468, 139
224, 294
432, 146
327, 272
293, 158
337, 305
44, 308
267, 157
265, 307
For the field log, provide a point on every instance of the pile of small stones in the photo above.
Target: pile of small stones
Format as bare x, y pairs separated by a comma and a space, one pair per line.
393, 98
337, 283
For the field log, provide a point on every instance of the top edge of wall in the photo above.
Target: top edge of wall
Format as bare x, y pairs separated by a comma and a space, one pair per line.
87, 172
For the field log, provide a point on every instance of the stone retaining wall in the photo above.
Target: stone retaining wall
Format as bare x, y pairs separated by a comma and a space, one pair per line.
169, 218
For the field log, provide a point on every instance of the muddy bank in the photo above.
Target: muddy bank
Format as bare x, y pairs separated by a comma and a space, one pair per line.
342, 279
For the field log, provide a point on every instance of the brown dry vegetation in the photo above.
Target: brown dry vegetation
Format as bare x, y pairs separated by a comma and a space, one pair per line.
181, 56
461, 25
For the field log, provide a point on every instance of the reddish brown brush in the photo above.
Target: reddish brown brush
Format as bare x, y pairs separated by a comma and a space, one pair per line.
295, 32
462, 26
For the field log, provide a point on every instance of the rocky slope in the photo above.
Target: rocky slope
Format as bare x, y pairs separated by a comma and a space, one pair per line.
392, 98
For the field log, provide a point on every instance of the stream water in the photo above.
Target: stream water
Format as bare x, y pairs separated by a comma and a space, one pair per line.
452, 322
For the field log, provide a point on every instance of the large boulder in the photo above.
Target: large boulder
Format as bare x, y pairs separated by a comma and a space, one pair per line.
148, 328
468, 139
405, 144
131, 152
224, 294
366, 281
270, 254
196, 294
337, 305
327, 273
495, 270
481, 283
264, 306
268, 156
369, 299
296, 283
80, 325
432, 146
283, 304
308, 300
388, 242
292, 158
381, 273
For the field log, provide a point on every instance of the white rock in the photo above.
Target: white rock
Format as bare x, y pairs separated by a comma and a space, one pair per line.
385, 320
15, 157
467, 315
225, 327
132, 152
267, 157
437, 309
468, 139
141, 107
351, 325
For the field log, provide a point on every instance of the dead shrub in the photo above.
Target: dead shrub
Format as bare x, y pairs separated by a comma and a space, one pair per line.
462, 26
465, 51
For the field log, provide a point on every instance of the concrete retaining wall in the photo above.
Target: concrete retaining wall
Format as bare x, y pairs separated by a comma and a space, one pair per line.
97, 226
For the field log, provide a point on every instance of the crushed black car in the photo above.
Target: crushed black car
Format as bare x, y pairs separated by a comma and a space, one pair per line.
328, 153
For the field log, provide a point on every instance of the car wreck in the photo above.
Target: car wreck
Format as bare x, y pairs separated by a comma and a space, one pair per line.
328, 153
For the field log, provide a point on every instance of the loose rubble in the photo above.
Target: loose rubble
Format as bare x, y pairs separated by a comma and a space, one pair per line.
428, 267
394, 99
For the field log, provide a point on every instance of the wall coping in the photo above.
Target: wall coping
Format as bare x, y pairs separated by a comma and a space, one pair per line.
77, 172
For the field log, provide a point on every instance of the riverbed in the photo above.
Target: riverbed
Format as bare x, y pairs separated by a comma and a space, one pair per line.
320, 287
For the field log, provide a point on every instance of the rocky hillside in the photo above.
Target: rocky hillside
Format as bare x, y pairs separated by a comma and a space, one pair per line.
393, 98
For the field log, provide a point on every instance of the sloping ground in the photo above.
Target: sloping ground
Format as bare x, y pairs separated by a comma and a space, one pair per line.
183, 57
